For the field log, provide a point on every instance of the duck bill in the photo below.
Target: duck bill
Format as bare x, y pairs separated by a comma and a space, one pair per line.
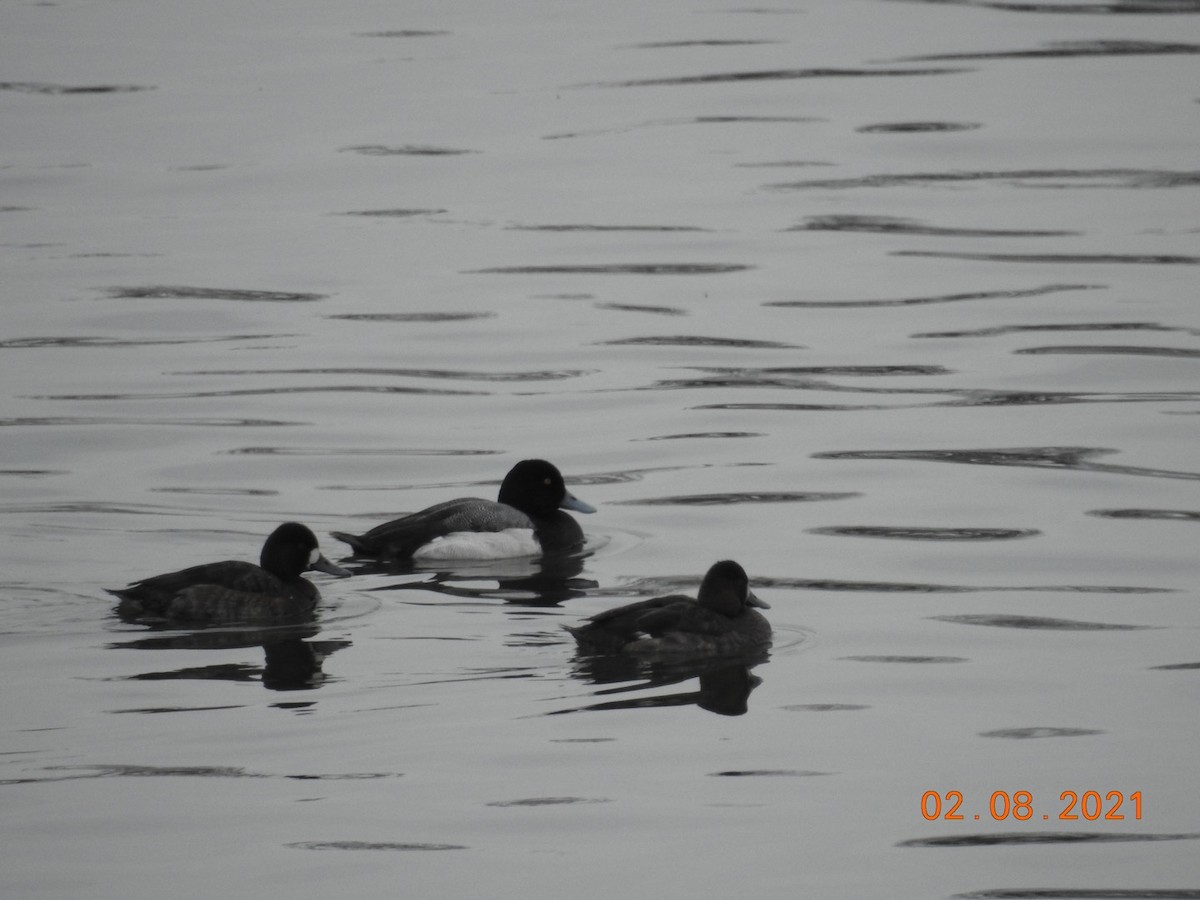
323, 565
752, 600
570, 501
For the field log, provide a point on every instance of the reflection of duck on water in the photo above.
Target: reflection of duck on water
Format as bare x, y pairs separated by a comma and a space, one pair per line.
232, 590
290, 662
295, 665
724, 685
528, 581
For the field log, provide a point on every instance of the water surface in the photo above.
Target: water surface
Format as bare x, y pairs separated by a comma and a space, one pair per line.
893, 302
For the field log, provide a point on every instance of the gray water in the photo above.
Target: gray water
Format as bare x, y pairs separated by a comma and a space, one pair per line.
893, 302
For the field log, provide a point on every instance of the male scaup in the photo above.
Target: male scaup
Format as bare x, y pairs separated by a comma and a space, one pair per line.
235, 591
720, 622
525, 520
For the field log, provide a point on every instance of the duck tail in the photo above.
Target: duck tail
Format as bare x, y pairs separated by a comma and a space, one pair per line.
591, 640
357, 544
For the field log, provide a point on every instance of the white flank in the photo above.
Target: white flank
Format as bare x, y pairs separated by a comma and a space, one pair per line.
481, 545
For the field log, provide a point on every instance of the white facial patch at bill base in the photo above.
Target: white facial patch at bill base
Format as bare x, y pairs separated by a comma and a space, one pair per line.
314, 556
481, 545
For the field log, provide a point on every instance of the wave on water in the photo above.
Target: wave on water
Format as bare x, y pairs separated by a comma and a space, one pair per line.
1075, 178
176, 292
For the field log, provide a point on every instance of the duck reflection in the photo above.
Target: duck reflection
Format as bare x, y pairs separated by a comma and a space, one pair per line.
724, 684
547, 580
290, 661
295, 665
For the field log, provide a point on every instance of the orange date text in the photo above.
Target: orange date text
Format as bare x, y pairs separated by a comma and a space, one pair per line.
1072, 806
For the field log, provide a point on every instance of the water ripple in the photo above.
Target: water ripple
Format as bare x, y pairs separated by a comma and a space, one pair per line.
1060, 49
1116, 7
216, 491
1113, 350
1165, 259
393, 213
371, 845
1038, 732
947, 396
1002, 330
917, 127
76, 421
1171, 515
776, 75
651, 310
606, 228
1081, 894
797, 407
702, 435
404, 33
938, 298
789, 376
695, 340
413, 317
689, 120
140, 771
42, 87
969, 399
895, 225
405, 150
707, 42
1078, 458
1039, 623
262, 392
919, 660
767, 773
1076, 178
547, 801
357, 451
732, 498
97, 341
1043, 398
440, 374
617, 269
921, 533
175, 292
1008, 839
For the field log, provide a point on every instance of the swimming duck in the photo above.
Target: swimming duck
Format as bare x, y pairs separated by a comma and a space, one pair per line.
719, 622
525, 520
235, 591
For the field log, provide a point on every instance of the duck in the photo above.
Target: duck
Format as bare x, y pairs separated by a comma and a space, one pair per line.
526, 519
721, 621
233, 590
